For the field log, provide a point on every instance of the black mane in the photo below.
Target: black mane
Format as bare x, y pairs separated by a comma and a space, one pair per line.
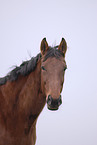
24, 69
28, 66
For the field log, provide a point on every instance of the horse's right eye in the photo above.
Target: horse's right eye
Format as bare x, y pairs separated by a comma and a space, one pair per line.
43, 68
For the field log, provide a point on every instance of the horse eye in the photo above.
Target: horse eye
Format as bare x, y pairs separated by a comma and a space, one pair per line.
43, 68
65, 67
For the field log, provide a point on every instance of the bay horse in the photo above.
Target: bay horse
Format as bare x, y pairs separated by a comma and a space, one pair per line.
25, 91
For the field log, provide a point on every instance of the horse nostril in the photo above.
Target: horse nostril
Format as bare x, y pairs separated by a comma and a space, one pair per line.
49, 100
49, 97
59, 101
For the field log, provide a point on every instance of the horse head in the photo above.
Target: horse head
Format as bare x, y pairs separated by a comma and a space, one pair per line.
53, 66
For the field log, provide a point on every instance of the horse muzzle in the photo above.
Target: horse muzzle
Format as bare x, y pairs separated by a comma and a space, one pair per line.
53, 104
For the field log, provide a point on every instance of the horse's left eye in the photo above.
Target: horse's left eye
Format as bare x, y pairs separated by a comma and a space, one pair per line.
43, 68
65, 67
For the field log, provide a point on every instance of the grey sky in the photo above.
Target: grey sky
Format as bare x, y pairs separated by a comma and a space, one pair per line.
23, 24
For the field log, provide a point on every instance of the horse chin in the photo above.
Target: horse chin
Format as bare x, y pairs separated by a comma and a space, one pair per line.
52, 108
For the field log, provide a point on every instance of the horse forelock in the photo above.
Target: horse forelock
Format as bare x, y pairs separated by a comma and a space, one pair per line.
53, 52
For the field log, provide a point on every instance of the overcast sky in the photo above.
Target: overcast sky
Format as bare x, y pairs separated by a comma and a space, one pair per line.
23, 24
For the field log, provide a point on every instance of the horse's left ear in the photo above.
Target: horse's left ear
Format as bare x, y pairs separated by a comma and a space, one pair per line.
63, 46
44, 46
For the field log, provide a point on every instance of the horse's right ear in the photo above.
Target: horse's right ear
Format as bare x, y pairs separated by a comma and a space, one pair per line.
43, 46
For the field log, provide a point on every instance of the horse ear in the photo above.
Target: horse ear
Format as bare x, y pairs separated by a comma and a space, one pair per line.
63, 46
44, 46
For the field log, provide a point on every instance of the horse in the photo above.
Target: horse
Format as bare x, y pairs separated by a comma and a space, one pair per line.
26, 89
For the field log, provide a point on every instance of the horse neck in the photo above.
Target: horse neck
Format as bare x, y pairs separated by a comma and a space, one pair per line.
32, 99
24, 95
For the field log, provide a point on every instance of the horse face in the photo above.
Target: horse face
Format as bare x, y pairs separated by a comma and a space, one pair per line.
52, 77
53, 68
